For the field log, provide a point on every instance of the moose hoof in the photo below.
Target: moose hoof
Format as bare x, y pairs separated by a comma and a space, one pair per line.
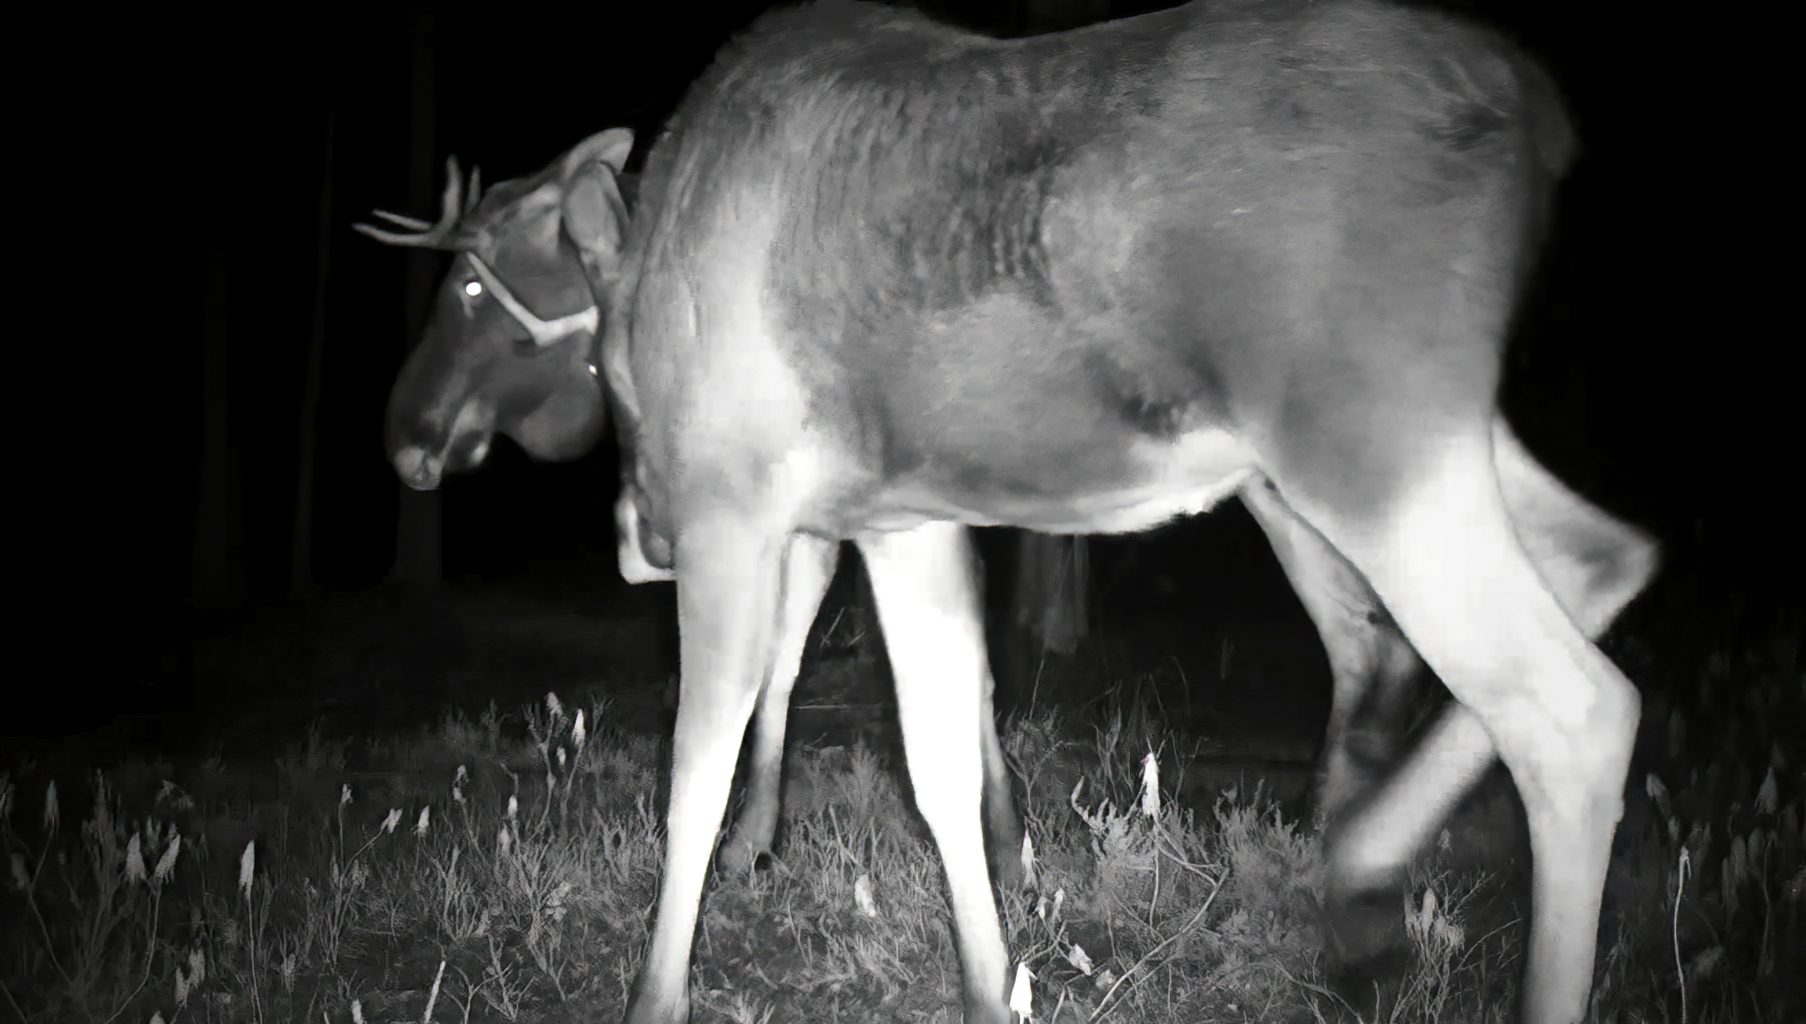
740, 857
1366, 950
1006, 864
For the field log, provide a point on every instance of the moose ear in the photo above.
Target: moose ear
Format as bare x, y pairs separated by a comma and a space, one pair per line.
609, 147
595, 218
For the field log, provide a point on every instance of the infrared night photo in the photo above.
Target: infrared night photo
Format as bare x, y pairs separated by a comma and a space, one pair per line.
959, 512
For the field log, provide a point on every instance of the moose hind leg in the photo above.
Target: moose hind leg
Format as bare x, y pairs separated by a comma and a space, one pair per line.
1374, 675
1004, 827
1447, 559
1374, 672
1594, 565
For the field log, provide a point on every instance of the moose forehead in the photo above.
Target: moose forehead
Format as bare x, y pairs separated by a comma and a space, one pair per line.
513, 240
517, 229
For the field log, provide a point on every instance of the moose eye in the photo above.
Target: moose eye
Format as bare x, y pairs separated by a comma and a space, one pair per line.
473, 288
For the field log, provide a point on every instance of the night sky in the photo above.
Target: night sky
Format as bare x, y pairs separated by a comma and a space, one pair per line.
1652, 373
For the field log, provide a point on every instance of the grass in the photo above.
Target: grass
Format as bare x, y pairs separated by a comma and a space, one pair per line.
460, 874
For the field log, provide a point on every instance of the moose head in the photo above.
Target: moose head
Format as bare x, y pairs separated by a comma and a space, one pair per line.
509, 343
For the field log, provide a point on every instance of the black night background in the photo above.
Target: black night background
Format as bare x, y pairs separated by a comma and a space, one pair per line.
233, 158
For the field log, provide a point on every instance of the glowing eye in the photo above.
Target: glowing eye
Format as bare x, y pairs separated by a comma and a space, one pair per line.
473, 288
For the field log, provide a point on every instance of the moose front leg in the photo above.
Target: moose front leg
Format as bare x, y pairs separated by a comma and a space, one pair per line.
731, 575
926, 584
808, 569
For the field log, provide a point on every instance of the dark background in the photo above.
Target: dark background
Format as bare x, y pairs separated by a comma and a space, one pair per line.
194, 160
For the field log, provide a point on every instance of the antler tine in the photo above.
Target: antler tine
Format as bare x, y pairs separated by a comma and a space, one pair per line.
451, 206
407, 222
424, 235
476, 189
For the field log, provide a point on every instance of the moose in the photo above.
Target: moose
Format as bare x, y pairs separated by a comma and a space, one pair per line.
486, 361
886, 280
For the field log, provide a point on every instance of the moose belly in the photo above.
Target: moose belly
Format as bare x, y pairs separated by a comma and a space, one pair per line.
1006, 412
1119, 489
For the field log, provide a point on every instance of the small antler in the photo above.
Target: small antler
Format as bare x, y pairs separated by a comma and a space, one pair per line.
453, 205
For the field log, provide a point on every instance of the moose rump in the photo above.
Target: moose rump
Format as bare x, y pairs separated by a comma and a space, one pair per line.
889, 279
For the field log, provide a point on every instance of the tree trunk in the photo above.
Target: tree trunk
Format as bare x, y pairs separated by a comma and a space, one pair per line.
300, 566
1048, 617
418, 556
216, 568
1053, 576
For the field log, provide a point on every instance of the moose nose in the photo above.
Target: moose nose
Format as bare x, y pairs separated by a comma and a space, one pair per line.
418, 468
